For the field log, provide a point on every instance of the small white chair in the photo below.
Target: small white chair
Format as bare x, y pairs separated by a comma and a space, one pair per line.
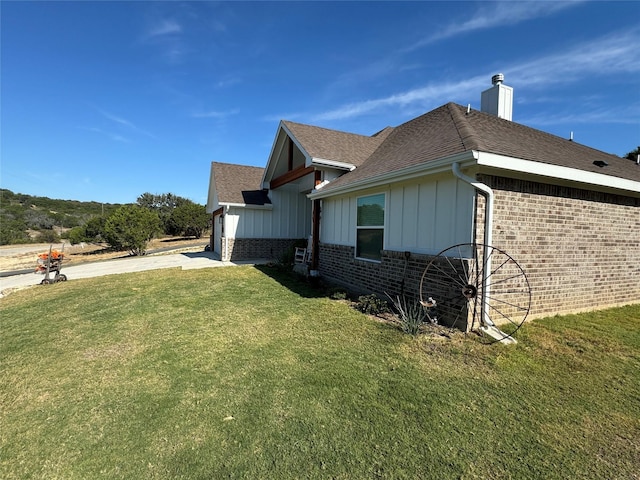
303, 255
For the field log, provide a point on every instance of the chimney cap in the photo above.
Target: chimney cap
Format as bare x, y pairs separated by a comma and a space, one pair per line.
497, 79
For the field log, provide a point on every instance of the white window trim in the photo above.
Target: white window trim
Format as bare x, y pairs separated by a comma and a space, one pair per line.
371, 227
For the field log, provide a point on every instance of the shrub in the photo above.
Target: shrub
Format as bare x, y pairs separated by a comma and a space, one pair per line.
188, 219
372, 304
131, 227
76, 235
48, 236
337, 294
94, 229
37, 220
411, 314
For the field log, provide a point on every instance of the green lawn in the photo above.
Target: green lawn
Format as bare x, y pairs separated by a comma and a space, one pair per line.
242, 373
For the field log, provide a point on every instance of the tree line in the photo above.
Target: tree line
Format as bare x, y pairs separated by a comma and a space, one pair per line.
131, 227
122, 227
26, 218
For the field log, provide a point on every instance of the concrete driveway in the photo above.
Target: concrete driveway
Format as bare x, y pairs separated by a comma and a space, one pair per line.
185, 261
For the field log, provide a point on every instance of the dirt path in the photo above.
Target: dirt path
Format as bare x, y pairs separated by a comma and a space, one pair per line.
22, 257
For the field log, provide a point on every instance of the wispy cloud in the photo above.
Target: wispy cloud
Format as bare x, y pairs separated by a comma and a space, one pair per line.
626, 116
228, 82
118, 120
167, 34
420, 96
215, 114
612, 55
125, 123
113, 136
164, 27
495, 14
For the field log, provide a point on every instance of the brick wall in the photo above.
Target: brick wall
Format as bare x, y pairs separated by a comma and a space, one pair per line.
255, 248
580, 249
395, 274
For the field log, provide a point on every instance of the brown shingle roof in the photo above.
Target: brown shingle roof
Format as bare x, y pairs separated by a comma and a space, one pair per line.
496, 135
239, 184
449, 130
335, 145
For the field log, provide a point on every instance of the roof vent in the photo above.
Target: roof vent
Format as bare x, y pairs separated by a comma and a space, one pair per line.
600, 163
497, 79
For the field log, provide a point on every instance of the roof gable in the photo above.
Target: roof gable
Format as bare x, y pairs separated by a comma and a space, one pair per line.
238, 184
333, 145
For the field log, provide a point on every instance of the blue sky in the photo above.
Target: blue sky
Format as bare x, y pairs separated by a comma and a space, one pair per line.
105, 101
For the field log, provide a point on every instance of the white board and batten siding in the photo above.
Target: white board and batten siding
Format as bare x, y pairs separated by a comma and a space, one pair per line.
289, 217
424, 217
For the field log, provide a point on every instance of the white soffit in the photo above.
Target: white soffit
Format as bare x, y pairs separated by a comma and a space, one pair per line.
556, 171
332, 163
267, 206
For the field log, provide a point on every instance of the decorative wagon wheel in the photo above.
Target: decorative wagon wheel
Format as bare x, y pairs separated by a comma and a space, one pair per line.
476, 287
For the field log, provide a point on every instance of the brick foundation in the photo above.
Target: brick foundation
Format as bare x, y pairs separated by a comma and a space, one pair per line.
255, 248
395, 274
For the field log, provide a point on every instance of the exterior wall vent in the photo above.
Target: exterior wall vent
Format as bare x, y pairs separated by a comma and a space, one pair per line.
498, 100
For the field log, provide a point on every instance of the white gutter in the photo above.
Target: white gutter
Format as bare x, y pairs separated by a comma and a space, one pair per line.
485, 191
266, 206
428, 168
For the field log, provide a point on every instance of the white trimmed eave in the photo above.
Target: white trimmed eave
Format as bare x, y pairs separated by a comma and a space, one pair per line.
427, 168
571, 175
499, 163
321, 162
268, 206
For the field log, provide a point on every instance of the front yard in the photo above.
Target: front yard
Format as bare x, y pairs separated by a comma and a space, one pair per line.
244, 373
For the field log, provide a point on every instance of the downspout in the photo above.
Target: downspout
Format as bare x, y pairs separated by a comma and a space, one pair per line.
487, 193
223, 233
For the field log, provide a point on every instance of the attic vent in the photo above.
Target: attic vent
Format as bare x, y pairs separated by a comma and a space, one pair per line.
600, 163
497, 79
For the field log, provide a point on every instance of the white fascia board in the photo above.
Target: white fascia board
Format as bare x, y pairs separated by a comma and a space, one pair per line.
556, 171
246, 205
428, 168
332, 163
271, 155
212, 195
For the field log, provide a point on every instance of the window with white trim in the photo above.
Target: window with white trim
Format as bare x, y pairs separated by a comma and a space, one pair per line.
370, 227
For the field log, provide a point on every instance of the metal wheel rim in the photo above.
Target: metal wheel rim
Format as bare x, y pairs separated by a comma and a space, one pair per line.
464, 297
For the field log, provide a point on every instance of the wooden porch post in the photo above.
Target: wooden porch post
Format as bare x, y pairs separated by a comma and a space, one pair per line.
315, 233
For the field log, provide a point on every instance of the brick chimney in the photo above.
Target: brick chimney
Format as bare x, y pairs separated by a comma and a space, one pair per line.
498, 100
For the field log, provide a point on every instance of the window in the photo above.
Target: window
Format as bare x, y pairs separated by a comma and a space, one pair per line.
370, 227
